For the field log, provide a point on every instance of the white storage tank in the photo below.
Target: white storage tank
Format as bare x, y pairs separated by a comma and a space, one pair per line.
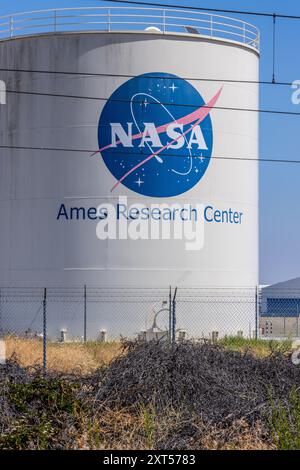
151, 144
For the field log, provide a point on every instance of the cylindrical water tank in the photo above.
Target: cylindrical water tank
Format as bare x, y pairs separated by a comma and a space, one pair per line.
166, 109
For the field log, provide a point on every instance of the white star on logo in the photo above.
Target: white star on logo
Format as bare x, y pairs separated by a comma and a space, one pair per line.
173, 87
145, 103
139, 182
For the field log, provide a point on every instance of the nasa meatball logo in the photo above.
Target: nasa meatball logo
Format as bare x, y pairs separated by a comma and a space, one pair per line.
155, 135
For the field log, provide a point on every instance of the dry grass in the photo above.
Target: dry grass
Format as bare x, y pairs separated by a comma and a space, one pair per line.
115, 430
258, 347
68, 357
128, 429
239, 436
84, 358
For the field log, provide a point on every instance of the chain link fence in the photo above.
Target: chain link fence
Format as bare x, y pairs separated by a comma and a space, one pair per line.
279, 312
79, 314
90, 313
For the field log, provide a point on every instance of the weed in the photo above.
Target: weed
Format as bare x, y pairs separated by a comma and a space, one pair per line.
148, 415
285, 422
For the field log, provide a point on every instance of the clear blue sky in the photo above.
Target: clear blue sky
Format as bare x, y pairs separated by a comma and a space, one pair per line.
279, 135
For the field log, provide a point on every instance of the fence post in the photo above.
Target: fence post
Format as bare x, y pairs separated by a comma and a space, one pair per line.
55, 21
1, 324
84, 314
109, 20
45, 330
256, 312
174, 316
170, 313
164, 21
11, 26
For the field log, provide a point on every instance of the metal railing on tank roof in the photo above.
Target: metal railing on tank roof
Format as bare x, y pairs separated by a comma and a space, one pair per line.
114, 19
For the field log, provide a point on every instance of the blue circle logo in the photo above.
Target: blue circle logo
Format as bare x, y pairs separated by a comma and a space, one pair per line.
155, 135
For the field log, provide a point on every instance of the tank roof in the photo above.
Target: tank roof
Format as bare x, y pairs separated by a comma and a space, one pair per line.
158, 21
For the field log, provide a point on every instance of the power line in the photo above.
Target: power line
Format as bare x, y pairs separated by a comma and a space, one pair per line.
94, 98
141, 154
216, 10
149, 76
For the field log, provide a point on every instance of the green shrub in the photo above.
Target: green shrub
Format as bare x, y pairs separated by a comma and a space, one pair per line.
40, 409
285, 422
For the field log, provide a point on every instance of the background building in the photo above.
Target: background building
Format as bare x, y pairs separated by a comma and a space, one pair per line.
280, 309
